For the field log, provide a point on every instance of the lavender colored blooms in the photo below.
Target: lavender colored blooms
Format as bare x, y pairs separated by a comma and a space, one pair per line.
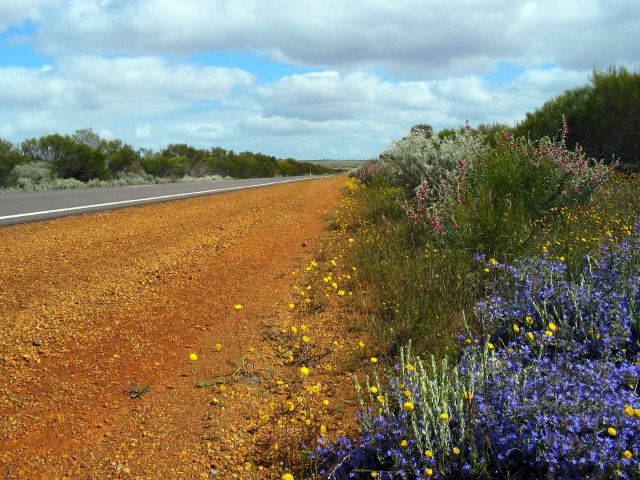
549, 390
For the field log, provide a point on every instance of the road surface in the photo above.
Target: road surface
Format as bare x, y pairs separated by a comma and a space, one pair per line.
23, 207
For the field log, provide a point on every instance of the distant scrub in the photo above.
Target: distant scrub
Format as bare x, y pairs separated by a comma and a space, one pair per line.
85, 159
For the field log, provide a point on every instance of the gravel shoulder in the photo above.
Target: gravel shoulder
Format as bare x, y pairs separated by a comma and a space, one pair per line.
92, 307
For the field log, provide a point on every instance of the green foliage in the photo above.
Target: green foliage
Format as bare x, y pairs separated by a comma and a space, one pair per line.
84, 157
10, 156
604, 117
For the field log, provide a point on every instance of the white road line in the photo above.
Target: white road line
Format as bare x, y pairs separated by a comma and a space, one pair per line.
162, 197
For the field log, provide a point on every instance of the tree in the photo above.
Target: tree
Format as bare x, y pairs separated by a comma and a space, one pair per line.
10, 156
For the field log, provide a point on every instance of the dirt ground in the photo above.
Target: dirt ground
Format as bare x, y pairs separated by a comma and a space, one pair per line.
94, 308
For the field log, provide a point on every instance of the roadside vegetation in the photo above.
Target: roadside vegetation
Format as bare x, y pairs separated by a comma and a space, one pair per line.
84, 159
497, 277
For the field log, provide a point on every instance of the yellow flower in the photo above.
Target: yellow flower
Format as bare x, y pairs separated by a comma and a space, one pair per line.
408, 406
528, 320
404, 443
409, 368
294, 329
193, 357
374, 360
490, 346
407, 393
341, 293
237, 306
292, 306
380, 398
468, 395
361, 344
428, 453
222, 388
516, 328
493, 261
549, 333
325, 402
215, 401
287, 476
636, 412
552, 327
456, 451
290, 406
305, 339
428, 472
444, 417
627, 454
374, 389
218, 346
530, 335
303, 327
304, 370
467, 341
612, 431
486, 270
323, 429
374, 474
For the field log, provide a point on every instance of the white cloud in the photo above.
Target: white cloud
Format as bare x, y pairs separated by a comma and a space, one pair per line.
374, 68
408, 38
16, 12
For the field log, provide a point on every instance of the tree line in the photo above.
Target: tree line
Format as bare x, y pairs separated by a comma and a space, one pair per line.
85, 156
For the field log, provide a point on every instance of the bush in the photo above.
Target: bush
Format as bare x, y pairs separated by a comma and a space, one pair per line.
490, 203
604, 117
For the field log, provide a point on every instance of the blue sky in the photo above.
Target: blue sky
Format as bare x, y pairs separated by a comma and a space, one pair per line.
307, 79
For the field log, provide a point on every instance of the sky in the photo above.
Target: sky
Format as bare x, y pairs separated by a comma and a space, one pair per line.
307, 79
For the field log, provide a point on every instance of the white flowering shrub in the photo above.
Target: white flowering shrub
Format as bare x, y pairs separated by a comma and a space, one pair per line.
431, 163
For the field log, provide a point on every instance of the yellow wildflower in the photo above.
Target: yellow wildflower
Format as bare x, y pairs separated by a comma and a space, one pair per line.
612, 431
627, 454
193, 357
237, 306
408, 406
428, 453
444, 417
304, 370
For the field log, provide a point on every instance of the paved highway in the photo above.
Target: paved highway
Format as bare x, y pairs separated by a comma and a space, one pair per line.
23, 207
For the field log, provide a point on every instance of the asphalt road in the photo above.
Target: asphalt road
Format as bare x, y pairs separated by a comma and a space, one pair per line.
23, 207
